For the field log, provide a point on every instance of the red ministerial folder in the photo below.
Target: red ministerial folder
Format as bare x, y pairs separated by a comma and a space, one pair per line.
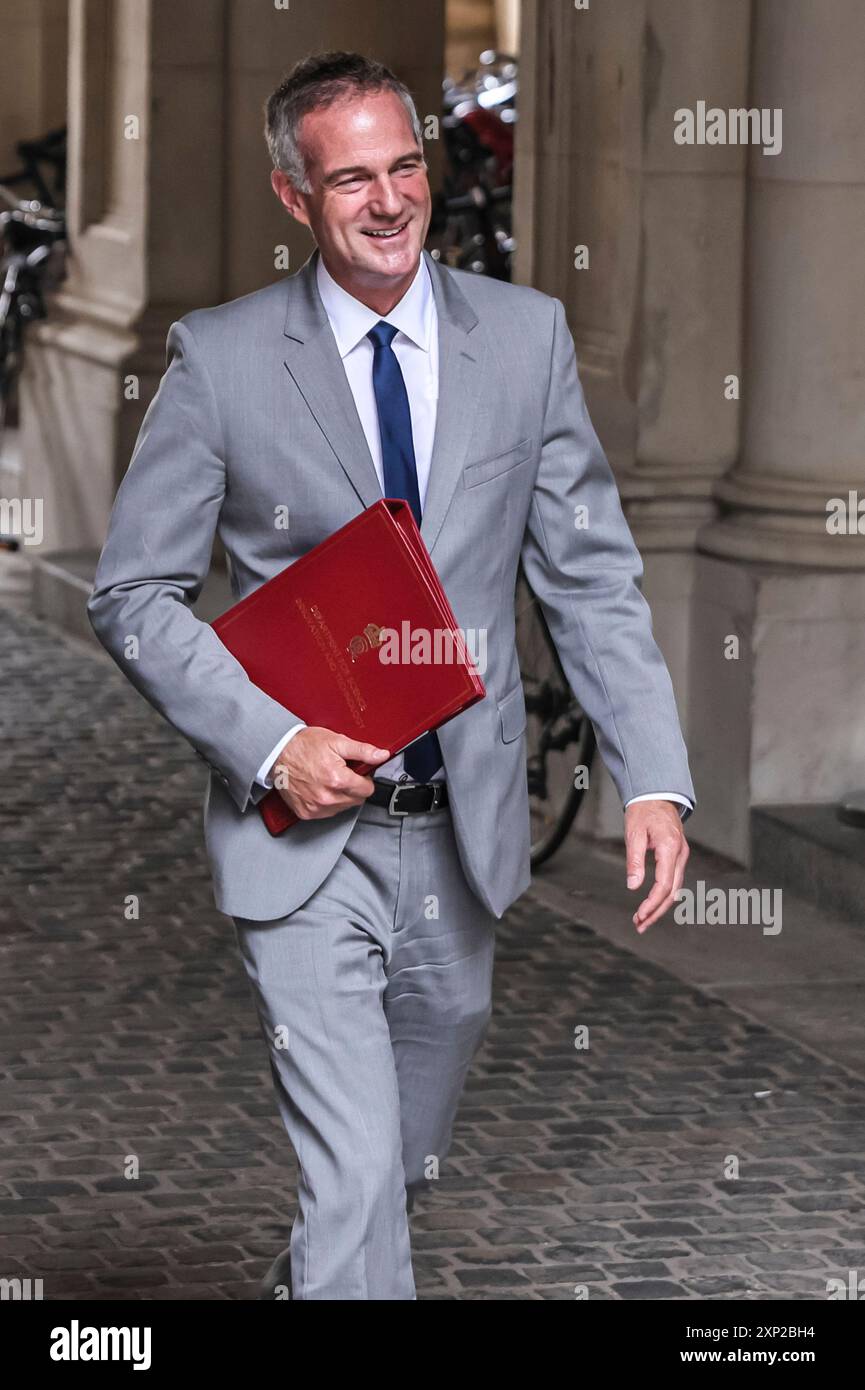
337, 638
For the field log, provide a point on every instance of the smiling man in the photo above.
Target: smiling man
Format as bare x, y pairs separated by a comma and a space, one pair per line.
367, 931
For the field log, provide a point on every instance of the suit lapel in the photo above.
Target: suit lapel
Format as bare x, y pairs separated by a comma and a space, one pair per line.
313, 360
460, 377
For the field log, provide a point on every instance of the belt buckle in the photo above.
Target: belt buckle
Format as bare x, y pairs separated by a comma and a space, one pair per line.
392, 807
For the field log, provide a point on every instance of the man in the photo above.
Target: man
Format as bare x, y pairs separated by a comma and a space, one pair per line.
367, 930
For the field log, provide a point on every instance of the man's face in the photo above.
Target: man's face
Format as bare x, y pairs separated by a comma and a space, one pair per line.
369, 208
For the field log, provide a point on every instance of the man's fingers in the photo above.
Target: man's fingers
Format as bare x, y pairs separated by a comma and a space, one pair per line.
314, 777
666, 855
354, 752
648, 911
636, 843
681, 864
643, 924
671, 898
350, 784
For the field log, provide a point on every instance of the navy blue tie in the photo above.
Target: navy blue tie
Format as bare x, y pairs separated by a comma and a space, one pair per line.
424, 757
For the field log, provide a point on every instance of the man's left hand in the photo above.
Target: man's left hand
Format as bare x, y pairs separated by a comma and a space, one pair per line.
655, 825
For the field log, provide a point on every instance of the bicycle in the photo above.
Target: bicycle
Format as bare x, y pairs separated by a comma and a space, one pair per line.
32, 242
471, 225
48, 182
29, 236
560, 739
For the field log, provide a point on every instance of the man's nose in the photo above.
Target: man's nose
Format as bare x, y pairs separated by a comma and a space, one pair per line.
385, 200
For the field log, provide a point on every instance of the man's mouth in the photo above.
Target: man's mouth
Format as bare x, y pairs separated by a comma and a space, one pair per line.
386, 233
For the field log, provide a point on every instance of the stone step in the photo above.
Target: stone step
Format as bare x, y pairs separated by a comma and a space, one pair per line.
810, 851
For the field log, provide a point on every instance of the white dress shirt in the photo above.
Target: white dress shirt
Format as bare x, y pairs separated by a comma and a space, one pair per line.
416, 347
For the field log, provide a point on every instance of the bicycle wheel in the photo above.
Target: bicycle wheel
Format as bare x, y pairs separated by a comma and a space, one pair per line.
560, 738
10, 364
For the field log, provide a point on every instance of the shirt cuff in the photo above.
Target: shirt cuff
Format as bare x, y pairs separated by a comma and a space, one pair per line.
685, 802
263, 777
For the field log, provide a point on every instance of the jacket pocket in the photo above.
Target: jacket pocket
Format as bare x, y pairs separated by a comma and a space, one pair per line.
483, 470
512, 714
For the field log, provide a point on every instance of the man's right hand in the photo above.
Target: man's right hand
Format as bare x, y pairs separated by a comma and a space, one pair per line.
312, 774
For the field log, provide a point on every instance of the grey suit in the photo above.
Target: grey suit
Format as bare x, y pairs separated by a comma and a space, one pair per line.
333, 921
255, 412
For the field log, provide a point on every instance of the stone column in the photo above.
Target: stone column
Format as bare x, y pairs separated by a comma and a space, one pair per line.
146, 171
508, 26
656, 315
804, 382
686, 318
778, 659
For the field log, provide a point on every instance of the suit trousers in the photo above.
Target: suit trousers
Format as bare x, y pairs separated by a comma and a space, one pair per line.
373, 997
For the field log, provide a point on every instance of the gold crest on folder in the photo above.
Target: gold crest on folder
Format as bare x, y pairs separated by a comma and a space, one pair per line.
365, 642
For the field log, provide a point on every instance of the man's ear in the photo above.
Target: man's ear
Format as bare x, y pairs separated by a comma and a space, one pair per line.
290, 197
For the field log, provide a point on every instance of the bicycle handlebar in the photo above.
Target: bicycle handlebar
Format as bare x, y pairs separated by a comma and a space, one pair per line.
31, 210
479, 197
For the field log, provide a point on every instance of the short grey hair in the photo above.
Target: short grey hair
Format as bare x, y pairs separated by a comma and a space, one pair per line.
315, 82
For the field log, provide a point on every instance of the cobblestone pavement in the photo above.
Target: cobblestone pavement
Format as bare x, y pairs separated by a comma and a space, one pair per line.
604, 1167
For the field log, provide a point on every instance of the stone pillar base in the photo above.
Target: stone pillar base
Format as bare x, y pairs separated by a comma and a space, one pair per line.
783, 520
783, 721
77, 428
667, 509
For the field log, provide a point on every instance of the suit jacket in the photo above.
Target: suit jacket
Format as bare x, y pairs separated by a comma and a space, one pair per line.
255, 413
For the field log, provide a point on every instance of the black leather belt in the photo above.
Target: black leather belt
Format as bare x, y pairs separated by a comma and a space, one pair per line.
409, 798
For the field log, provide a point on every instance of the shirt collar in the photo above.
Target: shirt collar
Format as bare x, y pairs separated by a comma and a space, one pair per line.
351, 320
